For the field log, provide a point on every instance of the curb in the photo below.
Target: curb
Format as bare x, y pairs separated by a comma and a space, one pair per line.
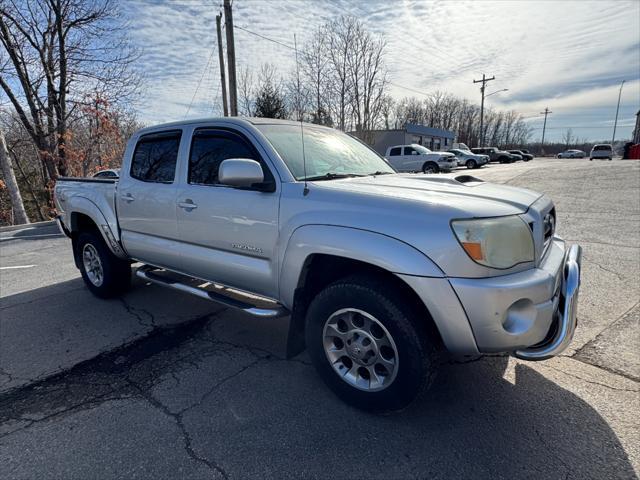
25, 226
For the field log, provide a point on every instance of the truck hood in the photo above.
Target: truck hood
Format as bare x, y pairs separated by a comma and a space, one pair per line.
468, 195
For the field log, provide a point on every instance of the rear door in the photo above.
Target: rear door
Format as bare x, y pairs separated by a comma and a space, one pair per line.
395, 157
146, 200
229, 235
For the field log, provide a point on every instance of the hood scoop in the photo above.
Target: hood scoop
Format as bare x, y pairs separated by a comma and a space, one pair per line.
466, 180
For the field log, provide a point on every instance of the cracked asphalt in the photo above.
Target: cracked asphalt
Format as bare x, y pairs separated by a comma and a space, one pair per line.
162, 385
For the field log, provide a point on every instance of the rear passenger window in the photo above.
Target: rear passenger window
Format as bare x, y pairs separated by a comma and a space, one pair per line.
395, 152
154, 159
209, 148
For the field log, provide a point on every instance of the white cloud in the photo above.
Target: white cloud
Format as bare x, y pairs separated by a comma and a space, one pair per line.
569, 55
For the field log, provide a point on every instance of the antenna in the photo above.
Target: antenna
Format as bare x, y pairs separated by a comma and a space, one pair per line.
305, 192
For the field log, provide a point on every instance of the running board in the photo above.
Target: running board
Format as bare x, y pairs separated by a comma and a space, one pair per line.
151, 274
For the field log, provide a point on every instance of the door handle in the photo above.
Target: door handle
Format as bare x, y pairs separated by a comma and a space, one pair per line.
188, 205
127, 197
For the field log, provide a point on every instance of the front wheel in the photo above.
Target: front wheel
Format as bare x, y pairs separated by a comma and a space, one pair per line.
471, 164
368, 345
104, 274
430, 167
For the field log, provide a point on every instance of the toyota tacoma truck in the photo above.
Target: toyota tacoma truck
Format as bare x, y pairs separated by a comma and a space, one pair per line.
380, 272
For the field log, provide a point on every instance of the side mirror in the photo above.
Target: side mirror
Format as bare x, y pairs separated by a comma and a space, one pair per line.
240, 172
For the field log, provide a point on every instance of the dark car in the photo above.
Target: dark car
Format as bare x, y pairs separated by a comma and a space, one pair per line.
112, 173
496, 155
526, 156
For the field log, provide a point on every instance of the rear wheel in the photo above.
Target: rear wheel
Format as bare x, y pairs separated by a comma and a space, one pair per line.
104, 274
430, 167
471, 164
368, 344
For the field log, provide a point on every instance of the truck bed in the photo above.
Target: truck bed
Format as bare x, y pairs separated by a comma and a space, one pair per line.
91, 196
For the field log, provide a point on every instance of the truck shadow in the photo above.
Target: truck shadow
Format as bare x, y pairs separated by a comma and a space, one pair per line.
533, 428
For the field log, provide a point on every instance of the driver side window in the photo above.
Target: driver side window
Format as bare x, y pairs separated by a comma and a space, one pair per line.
209, 148
410, 151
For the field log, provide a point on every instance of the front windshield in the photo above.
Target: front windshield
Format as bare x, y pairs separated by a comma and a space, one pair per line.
326, 151
421, 149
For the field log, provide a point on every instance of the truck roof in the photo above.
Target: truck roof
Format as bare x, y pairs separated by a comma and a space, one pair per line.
239, 121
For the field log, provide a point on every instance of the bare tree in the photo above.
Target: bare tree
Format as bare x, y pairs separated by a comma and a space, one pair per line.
57, 50
567, 138
19, 213
315, 69
246, 93
368, 77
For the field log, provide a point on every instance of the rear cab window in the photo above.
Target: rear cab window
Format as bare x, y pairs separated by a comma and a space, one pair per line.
155, 157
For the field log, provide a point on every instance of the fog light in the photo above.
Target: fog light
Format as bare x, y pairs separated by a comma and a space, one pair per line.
520, 317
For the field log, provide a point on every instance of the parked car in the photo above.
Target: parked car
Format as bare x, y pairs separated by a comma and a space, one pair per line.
416, 158
108, 173
460, 146
468, 159
604, 151
572, 154
525, 156
378, 270
495, 155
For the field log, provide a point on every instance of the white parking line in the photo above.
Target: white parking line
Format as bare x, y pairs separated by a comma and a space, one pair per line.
16, 267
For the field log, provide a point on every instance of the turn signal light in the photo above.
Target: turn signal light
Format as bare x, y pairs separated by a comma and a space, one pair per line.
474, 250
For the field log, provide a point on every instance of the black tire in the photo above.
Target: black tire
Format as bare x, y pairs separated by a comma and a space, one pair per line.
430, 167
504, 160
116, 273
471, 164
591, 159
418, 353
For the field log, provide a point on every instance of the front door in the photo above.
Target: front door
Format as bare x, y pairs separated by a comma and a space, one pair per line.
229, 234
146, 200
411, 159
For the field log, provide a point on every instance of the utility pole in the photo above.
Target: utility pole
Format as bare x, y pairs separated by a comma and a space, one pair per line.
544, 127
231, 59
615, 125
223, 82
484, 82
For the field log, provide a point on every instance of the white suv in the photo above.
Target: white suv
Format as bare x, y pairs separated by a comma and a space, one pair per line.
416, 158
601, 151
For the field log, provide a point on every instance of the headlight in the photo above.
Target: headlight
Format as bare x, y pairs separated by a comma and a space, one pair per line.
500, 242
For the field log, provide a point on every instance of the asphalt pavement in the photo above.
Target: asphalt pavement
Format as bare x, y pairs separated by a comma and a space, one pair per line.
162, 385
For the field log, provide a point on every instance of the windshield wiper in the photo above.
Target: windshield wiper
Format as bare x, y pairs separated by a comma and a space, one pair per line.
331, 176
374, 174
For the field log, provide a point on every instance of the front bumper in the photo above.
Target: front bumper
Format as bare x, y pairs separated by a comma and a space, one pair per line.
532, 313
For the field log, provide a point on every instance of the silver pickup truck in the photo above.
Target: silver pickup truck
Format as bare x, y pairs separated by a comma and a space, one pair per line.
380, 272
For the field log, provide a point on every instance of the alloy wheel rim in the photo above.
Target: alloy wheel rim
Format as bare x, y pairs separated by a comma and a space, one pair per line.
360, 349
92, 265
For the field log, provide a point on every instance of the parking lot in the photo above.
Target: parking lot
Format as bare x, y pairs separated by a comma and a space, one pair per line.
163, 385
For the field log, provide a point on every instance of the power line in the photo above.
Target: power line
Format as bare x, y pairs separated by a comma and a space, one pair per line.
199, 82
264, 38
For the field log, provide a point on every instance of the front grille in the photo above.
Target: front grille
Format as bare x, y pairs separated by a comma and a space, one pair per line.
541, 217
549, 227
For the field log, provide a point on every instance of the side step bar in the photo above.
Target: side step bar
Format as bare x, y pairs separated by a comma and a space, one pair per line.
150, 274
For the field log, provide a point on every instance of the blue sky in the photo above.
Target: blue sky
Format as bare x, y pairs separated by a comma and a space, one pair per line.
568, 55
